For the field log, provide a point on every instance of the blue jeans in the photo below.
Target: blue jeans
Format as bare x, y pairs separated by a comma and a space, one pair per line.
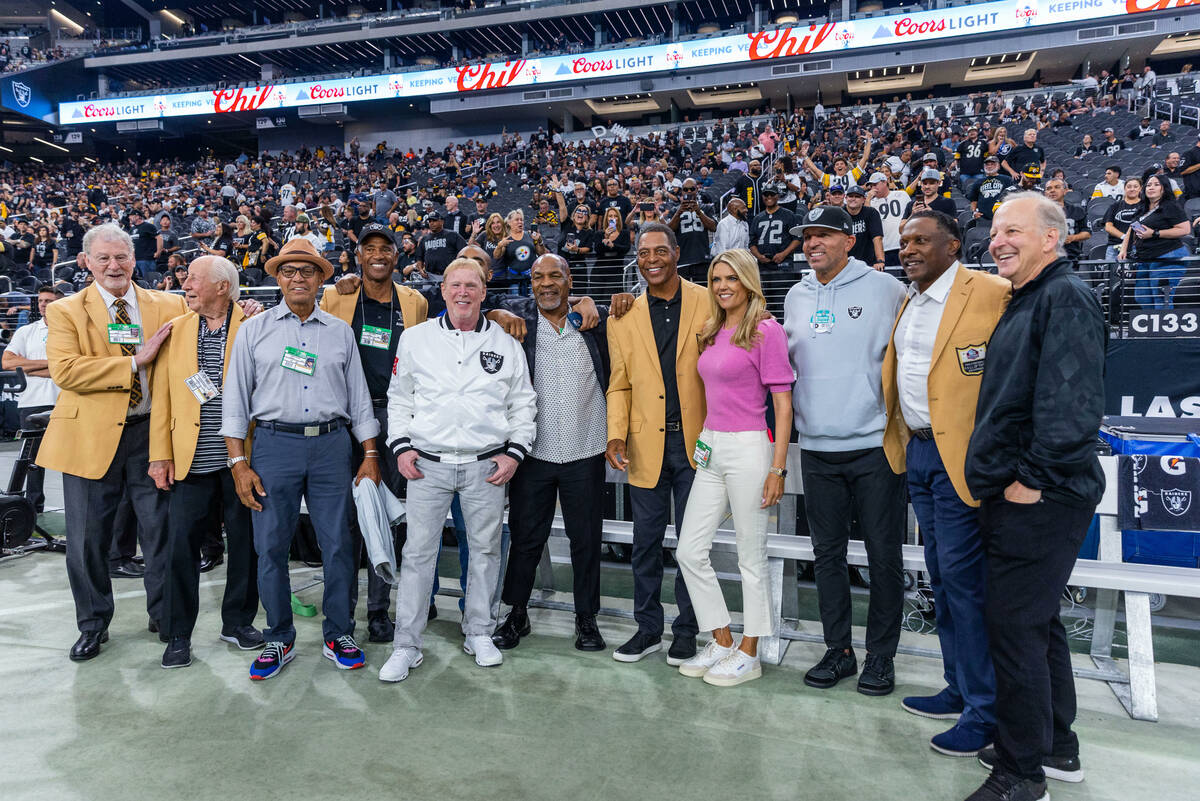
143, 266
954, 557
464, 555
1169, 267
965, 180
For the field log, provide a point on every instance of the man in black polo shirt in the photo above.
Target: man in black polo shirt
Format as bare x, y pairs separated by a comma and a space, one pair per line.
437, 248
378, 311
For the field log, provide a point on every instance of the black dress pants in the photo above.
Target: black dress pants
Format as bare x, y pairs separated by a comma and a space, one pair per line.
837, 484
189, 524
1031, 550
91, 510
535, 489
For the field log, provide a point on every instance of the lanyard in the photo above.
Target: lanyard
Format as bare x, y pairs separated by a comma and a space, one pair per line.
391, 318
222, 334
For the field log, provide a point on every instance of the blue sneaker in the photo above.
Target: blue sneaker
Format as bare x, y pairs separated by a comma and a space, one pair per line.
960, 741
272, 659
344, 652
939, 707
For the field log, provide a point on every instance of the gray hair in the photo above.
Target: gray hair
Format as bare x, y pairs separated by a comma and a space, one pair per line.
222, 270
108, 232
1049, 215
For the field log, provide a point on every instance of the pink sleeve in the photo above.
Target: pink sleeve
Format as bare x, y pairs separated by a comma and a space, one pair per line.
774, 367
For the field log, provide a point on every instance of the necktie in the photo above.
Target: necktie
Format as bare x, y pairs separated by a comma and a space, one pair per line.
135, 392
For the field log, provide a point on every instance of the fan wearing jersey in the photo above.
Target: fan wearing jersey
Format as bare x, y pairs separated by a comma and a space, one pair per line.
985, 194
867, 228
969, 157
772, 244
691, 224
843, 175
889, 203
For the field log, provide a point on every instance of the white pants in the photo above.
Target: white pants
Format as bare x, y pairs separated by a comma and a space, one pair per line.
735, 476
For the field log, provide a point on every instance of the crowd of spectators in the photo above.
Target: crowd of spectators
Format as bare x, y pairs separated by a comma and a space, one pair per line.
586, 197
14, 57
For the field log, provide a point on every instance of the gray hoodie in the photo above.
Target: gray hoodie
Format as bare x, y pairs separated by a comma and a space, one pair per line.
838, 356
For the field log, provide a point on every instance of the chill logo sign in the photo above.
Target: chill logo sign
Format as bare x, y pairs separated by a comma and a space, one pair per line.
743, 48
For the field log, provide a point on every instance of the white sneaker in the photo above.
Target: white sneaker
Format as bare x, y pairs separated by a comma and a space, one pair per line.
734, 669
484, 650
698, 665
402, 660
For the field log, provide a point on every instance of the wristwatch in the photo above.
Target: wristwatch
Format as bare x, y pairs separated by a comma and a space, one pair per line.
231, 462
780, 471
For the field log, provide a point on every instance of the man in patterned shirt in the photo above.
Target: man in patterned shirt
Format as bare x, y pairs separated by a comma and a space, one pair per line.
569, 369
188, 458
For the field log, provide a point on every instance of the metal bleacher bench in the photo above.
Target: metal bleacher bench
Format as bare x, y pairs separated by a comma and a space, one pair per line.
1134, 686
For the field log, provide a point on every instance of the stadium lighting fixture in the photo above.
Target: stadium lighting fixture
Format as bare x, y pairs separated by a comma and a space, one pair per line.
89, 158
75, 27
173, 17
35, 158
6, 149
50, 144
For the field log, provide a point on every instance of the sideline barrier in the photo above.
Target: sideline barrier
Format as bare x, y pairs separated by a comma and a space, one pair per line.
1134, 686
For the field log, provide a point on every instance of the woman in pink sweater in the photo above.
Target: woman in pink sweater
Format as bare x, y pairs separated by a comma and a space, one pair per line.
743, 359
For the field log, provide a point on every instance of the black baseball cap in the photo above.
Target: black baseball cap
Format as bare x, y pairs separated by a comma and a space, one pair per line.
433, 215
856, 190
770, 189
825, 217
375, 229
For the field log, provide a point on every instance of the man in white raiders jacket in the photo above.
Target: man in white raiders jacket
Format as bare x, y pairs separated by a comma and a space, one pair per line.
461, 415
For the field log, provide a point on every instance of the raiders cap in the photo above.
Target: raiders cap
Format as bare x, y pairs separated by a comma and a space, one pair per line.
824, 217
375, 229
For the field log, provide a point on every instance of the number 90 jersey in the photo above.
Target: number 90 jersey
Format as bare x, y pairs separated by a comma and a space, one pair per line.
891, 212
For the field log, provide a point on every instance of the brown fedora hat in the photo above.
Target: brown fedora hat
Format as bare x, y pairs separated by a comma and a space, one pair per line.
300, 250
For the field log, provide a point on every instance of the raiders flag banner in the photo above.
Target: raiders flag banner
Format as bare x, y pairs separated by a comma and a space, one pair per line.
1158, 493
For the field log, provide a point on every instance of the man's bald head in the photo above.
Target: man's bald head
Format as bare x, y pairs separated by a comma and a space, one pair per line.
476, 253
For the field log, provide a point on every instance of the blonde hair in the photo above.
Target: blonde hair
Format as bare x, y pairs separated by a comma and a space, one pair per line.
745, 267
604, 218
512, 215
470, 265
487, 226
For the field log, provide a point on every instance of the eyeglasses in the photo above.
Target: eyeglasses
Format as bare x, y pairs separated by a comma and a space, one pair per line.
120, 258
288, 271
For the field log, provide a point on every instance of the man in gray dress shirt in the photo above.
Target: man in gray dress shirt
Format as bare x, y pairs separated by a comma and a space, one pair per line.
295, 372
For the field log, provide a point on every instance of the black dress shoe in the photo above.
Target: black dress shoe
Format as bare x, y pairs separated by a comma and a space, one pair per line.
509, 633
88, 645
154, 628
682, 649
432, 613
836, 665
380, 627
207, 563
178, 653
587, 634
878, 676
126, 568
138, 560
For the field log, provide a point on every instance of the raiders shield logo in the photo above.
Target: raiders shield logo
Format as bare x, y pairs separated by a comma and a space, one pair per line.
854, 311
1139, 463
814, 215
1176, 501
971, 358
491, 361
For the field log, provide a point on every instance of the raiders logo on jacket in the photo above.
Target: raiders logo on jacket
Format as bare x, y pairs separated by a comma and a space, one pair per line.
460, 396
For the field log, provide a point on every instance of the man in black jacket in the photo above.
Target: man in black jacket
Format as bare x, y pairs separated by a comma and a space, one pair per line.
1032, 462
569, 369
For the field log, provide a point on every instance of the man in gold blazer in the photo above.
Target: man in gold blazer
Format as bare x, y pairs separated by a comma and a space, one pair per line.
379, 310
101, 354
655, 413
931, 376
189, 459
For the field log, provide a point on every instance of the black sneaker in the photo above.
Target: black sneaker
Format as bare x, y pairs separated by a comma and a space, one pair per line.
380, 627
682, 649
639, 645
154, 628
837, 664
1063, 769
515, 626
1001, 786
878, 676
178, 653
432, 613
247, 638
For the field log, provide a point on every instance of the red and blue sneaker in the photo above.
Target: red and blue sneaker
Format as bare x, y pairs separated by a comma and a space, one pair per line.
344, 652
272, 659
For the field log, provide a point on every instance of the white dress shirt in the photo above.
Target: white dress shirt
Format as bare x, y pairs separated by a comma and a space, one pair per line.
29, 342
915, 336
135, 317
